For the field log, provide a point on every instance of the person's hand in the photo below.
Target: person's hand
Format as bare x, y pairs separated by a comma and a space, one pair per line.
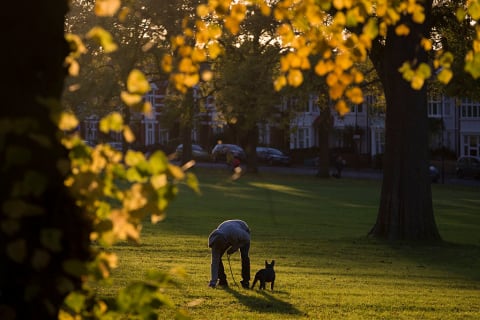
231, 251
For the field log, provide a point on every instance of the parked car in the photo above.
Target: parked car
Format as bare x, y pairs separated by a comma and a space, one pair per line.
468, 166
198, 153
219, 152
272, 156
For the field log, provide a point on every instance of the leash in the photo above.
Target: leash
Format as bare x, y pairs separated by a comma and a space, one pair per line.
231, 272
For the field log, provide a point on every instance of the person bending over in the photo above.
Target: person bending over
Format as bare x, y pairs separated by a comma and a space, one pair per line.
229, 236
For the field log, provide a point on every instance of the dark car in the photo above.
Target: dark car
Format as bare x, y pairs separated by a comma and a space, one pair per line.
272, 156
220, 151
468, 166
198, 153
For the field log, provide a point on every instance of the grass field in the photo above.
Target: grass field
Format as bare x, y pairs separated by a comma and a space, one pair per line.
326, 266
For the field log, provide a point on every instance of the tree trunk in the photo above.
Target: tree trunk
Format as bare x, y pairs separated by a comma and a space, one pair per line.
405, 211
324, 125
41, 226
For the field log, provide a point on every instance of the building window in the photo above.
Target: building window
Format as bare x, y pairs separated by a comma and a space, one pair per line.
471, 145
149, 133
380, 141
163, 136
434, 107
470, 109
91, 131
302, 138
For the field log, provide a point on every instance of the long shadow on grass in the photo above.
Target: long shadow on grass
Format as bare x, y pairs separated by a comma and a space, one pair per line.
266, 303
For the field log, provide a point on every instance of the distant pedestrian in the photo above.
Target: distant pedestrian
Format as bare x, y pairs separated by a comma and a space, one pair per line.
339, 164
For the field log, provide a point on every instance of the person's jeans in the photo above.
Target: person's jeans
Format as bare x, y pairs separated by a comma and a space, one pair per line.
245, 263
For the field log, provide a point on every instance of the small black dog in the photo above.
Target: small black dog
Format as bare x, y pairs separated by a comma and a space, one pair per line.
265, 275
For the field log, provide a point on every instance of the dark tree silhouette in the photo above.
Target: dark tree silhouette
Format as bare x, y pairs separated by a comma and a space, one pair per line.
43, 234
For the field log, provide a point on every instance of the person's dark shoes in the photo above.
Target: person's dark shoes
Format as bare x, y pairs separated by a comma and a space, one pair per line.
223, 283
245, 284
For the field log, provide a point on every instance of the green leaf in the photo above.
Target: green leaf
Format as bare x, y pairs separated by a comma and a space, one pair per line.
424, 71
75, 301
133, 175
460, 14
35, 183
192, 182
51, 239
111, 122
474, 9
158, 162
371, 28
17, 250
133, 158
472, 65
74, 267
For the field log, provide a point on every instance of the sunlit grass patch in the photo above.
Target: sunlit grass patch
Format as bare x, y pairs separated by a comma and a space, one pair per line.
327, 268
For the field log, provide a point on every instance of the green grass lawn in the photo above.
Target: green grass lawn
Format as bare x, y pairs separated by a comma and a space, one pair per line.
326, 266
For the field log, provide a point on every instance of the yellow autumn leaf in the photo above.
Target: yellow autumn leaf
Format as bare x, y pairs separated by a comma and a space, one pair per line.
336, 91
279, 83
343, 61
322, 67
186, 65
166, 63
137, 82
342, 108
265, 9
103, 38
294, 60
106, 8
332, 79
128, 134
123, 229
73, 67
357, 76
295, 77
232, 24
198, 55
214, 49
157, 217
176, 171
238, 11
355, 95
207, 75
426, 44
130, 99
214, 31
203, 10
68, 121
417, 82
158, 181
123, 14
191, 79
402, 30
445, 76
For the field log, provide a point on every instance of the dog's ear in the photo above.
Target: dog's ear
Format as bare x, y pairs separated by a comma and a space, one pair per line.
266, 263
273, 263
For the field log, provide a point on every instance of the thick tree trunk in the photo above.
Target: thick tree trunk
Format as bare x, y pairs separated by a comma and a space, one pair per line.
41, 226
405, 211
